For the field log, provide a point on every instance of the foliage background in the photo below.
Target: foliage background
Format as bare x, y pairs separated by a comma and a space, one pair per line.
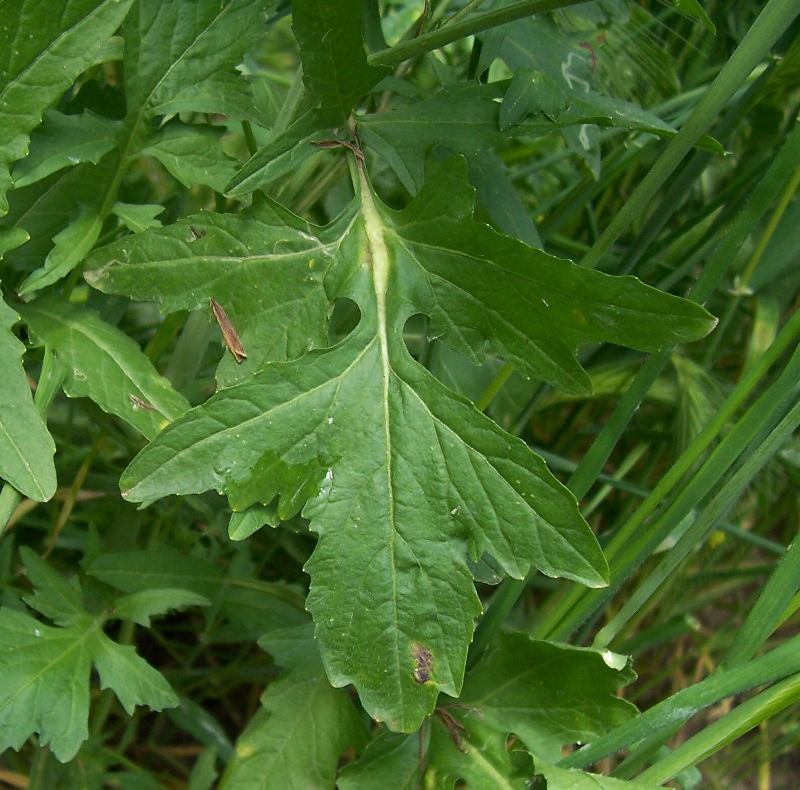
104, 164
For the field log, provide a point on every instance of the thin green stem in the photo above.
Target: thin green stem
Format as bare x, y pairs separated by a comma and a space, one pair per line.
472, 5
759, 39
719, 734
577, 605
777, 215
249, 137
768, 611
495, 385
291, 104
780, 663
449, 33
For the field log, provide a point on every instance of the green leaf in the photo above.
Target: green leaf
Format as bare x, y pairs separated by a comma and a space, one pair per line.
139, 571
70, 247
281, 155
104, 364
466, 119
254, 605
130, 677
136, 217
140, 606
279, 744
548, 695
358, 413
46, 208
568, 779
193, 154
45, 682
390, 760
250, 520
11, 238
531, 92
496, 192
266, 276
53, 595
335, 69
41, 55
694, 10
171, 45
221, 93
64, 141
26, 447
479, 756
46, 670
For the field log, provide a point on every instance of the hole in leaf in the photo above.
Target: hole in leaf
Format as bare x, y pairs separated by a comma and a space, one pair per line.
345, 316
415, 334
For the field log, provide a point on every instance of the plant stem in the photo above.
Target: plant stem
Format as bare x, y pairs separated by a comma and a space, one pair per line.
449, 33
720, 733
780, 663
495, 385
249, 137
576, 606
472, 5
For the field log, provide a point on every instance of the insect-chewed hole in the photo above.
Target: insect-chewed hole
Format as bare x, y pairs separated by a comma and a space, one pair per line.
415, 334
345, 316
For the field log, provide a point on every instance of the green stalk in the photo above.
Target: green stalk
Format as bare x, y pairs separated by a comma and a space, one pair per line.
715, 736
777, 215
768, 611
449, 33
707, 522
771, 23
628, 542
780, 663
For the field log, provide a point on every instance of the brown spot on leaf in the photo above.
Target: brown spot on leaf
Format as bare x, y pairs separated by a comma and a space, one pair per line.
423, 663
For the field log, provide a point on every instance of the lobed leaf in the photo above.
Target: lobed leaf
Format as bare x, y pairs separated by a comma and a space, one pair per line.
140, 606
46, 669
570, 779
467, 119
405, 478
70, 247
171, 45
390, 760
550, 695
193, 154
